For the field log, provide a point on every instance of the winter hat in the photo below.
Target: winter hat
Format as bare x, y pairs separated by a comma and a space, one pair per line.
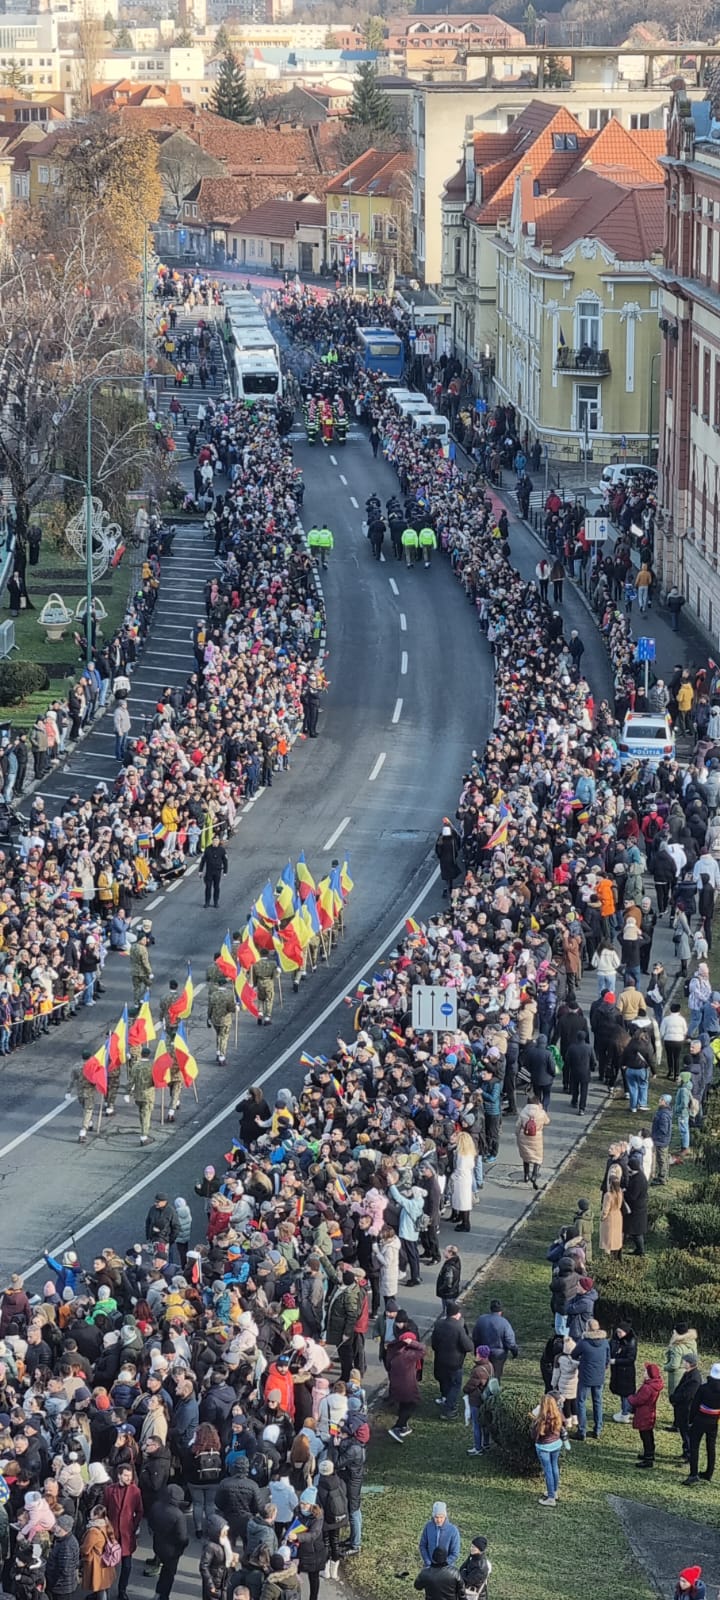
665, 1100
690, 1359
63, 1525
102, 1402
103, 1292
583, 1205
715, 1370
479, 1543
308, 1497
586, 1283
691, 1574
439, 1508
439, 1556
326, 1467
482, 1352
82, 1394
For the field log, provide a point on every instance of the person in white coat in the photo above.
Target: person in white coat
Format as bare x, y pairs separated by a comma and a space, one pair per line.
386, 1251
461, 1182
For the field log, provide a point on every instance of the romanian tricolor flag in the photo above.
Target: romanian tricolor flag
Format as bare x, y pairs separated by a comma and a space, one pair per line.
306, 1060
117, 1042
499, 837
412, 926
336, 890
288, 950
362, 988
396, 1036
305, 879
309, 914
341, 1191
264, 906
300, 928
162, 1063
143, 1027
180, 1008
225, 962
246, 953
95, 1070
262, 937
247, 995
284, 901
346, 882
187, 1065
325, 904
299, 1207
160, 831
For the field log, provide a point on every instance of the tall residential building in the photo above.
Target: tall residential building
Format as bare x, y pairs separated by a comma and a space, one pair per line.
688, 523
597, 84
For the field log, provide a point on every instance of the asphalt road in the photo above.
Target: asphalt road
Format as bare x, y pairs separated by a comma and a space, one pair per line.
381, 771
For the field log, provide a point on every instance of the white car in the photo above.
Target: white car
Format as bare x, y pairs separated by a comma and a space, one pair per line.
624, 472
646, 736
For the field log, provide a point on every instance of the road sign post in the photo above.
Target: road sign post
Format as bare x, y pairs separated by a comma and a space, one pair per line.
645, 651
434, 1009
597, 529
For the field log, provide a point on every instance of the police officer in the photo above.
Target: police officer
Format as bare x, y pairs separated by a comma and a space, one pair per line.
140, 969
428, 543
325, 542
221, 1009
142, 1087
264, 972
213, 864
311, 707
409, 543
86, 1096
313, 542
396, 524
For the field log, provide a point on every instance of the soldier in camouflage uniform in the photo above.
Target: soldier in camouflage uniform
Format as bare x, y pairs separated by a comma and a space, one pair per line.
88, 1099
221, 1009
213, 976
140, 969
113, 1079
165, 1004
264, 972
142, 1088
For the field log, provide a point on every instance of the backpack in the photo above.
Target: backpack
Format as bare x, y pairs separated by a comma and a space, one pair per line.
111, 1555
208, 1466
531, 1127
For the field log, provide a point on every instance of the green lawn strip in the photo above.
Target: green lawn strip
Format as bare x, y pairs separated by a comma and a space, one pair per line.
537, 1554
30, 638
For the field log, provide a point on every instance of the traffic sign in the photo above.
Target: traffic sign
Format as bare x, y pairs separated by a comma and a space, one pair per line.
434, 1008
597, 529
645, 650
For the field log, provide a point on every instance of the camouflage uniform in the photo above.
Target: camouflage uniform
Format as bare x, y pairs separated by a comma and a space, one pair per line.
86, 1096
113, 1086
142, 1088
221, 1009
176, 1087
140, 970
264, 972
165, 1004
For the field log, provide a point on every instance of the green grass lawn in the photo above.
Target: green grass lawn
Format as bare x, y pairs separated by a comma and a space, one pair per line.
30, 637
537, 1554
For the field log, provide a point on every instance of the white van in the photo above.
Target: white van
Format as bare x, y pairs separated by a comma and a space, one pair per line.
413, 403
624, 472
646, 736
431, 423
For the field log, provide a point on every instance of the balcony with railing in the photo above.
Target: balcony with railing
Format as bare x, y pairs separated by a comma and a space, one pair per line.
585, 362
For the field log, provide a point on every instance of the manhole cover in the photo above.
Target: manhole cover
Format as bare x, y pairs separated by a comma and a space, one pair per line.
405, 833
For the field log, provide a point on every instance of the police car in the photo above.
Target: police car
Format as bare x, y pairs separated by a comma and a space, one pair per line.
646, 736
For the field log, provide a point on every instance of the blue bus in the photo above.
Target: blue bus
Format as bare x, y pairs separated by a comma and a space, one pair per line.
381, 351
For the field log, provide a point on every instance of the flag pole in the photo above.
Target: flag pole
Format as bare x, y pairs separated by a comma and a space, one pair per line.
100, 1112
236, 1026
279, 979
162, 1107
194, 1086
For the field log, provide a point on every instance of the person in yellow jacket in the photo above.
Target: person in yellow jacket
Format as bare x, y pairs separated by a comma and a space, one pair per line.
410, 544
685, 698
170, 819
428, 543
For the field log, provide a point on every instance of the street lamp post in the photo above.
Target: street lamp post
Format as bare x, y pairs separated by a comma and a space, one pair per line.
652, 383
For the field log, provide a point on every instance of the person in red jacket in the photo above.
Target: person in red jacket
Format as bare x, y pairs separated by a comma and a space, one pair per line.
124, 1507
280, 1378
644, 1410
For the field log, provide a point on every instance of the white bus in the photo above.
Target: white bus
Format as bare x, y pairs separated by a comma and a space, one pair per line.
257, 375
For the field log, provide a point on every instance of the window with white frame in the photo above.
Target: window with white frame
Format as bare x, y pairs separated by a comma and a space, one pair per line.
43, 174
587, 323
378, 229
587, 407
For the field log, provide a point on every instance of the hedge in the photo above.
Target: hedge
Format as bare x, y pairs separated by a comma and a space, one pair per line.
514, 1446
631, 1290
21, 678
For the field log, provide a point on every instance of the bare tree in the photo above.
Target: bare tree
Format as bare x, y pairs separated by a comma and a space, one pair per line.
180, 171
63, 323
91, 46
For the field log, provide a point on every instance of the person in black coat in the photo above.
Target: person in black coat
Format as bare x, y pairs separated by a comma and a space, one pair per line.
310, 1545
333, 1502
539, 1063
579, 1061
447, 850
154, 1474
683, 1398
451, 1343
214, 1561
636, 1200
475, 1571
238, 1497
439, 1581
448, 1278
623, 1376
62, 1569
168, 1525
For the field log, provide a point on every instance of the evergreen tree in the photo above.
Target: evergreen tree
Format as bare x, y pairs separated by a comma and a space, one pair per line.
223, 42
374, 33
230, 97
123, 39
369, 108
183, 39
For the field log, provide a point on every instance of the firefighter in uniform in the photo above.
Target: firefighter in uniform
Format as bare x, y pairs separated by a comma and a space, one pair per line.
264, 972
140, 969
222, 1010
142, 1088
86, 1095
